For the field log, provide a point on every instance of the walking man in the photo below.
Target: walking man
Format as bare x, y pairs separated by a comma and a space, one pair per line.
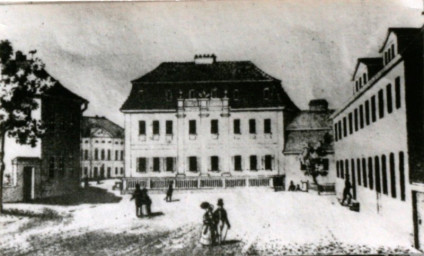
222, 222
346, 191
169, 192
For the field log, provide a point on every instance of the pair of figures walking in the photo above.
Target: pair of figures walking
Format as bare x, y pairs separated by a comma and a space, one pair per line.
215, 224
141, 198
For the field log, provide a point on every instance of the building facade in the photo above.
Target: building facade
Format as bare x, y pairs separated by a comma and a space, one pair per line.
379, 132
206, 119
102, 148
52, 167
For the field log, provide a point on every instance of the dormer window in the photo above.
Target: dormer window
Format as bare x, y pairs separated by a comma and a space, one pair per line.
192, 94
236, 94
168, 95
357, 85
140, 95
364, 78
360, 82
393, 51
266, 94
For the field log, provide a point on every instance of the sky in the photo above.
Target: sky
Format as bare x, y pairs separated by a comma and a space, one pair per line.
96, 49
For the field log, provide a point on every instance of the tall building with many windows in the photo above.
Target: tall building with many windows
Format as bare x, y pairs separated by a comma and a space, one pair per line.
379, 132
102, 148
206, 119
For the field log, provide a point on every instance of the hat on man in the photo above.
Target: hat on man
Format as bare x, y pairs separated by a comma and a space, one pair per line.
220, 202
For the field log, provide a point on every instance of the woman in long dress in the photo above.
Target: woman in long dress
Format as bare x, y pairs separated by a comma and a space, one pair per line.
206, 237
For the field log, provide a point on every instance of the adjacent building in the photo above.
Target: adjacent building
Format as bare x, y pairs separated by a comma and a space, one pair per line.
379, 132
102, 148
206, 118
310, 128
52, 167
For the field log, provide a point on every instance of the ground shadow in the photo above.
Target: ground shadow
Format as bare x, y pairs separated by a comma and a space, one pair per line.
90, 195
153, 215
228, 242
173, 201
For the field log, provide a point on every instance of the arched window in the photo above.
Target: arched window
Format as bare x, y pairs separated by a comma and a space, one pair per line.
103, 154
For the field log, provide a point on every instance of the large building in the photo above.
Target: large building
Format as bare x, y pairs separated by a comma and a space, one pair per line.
206, 119
52, 167
102, 148
379, 133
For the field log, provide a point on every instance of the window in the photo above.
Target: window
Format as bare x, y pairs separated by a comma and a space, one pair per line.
358, 171
370, 173
142, 164
96, 154
85, 171
140, 95
169, 164
268, 162
364, 78
192, 94
360, 82
336, 137
116, 170
116, 155
402, 176
192, 127
236, 94
381, 103
168, 95
340, 130
102, 154
237, 163
344, 127
122, 155
122, 170
109, 171
397, 92
156, 164
86, 154
356, 85
384, 174
347, 169
356, 119
236, 126
108, 154
156, 127
51, 167
252, 126
353, 178
95, 172
169, 127
214, 163
373, 109
192, 160
253, 163
389, 98
367, 112
337, 169
266, 94
393, 51
342, 169
364, 171
361, 116
377, 174
141, 128
214, 126
350, 124
267, 126
392, 174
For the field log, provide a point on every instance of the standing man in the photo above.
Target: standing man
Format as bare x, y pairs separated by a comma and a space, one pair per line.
169, 192
222, 222
346, 191
137, 195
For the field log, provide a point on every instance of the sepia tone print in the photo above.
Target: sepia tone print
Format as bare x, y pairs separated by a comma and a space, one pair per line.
212, 128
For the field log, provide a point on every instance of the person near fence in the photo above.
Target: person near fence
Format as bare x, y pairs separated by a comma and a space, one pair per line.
346, 191
208, 229
292, 187
298, 188
145, 199
169, 192
137, 195
221, 221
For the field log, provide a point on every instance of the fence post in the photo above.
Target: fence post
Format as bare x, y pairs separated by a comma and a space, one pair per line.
223, 183
198, 182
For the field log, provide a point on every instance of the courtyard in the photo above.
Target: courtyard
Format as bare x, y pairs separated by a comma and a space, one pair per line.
263, 222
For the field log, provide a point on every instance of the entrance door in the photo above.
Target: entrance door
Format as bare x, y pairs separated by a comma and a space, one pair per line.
418, 204
27, 188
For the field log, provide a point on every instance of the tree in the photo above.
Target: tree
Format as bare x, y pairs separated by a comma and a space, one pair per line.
312, 159
23, 79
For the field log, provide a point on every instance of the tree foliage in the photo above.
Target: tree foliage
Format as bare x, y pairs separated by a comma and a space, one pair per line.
23, 80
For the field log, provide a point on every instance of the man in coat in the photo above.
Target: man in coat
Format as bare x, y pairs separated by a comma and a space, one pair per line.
222, 222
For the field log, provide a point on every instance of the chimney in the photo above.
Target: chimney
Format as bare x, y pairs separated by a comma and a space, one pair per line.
318, 105
204, 59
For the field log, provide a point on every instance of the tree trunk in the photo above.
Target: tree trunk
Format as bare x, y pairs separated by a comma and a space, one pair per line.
2, 167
